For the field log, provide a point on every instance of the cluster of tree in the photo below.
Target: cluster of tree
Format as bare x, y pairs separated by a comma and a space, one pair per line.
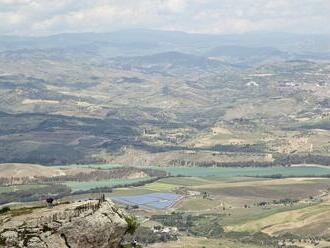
303, 159
292, 238
279, 176
205, 225
93, 191
246, 148
97, 175
286, 201
180, 162
145, 235
282, 160
14, 180
4, 210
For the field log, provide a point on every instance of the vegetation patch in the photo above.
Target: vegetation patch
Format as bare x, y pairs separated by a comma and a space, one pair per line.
251, 171
83, 186
132, 224
4, 210
199, 225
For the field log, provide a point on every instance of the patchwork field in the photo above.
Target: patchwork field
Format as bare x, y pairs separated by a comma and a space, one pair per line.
212, 207
253, 212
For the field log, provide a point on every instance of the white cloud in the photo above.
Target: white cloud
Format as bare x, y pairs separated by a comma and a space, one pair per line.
175, 6
40, 17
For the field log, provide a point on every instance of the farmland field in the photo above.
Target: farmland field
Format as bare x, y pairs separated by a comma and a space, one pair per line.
239, 203
184, 181
251, 171
258, 209
264, 208
310, 220
160, 186
77, 186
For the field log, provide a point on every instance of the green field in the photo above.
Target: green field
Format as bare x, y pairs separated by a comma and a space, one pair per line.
77, 186
184, 181
159, 186
255, 171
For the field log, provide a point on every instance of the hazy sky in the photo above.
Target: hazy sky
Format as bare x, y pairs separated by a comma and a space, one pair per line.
42, 17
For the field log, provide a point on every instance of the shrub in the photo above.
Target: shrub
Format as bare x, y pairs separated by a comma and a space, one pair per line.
4, 210
132, 224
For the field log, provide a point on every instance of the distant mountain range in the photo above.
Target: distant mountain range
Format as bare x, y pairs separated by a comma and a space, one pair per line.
172, 59
155, 40
242, 51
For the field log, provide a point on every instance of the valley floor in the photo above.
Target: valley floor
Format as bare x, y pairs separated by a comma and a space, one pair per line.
217, 208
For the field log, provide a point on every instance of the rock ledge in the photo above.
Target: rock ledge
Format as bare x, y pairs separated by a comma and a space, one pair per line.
82, 224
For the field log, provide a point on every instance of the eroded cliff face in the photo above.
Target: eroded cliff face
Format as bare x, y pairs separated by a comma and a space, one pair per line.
83, 224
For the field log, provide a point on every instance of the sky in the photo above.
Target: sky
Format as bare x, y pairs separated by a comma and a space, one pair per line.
45, 17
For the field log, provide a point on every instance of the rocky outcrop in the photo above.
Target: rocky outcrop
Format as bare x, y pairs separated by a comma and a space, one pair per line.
83, 224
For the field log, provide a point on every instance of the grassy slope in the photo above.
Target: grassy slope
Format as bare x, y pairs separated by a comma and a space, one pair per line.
292, 220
